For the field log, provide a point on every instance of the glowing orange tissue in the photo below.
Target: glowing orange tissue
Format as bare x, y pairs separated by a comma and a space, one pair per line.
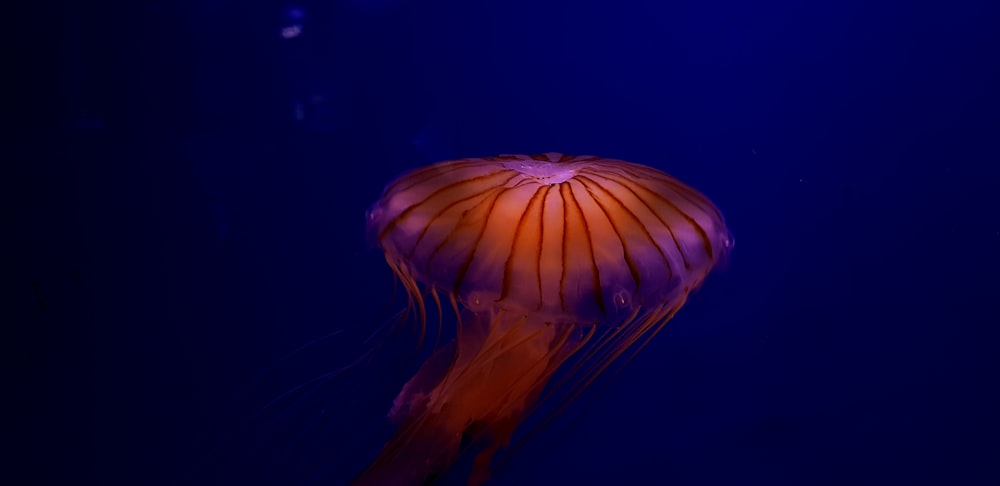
547, 260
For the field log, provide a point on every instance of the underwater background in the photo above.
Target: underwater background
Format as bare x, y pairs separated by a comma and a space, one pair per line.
188, 183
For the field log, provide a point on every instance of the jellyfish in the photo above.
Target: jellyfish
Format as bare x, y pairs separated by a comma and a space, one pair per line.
548, 261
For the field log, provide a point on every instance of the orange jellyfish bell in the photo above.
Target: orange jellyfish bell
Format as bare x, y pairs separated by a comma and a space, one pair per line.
544, 258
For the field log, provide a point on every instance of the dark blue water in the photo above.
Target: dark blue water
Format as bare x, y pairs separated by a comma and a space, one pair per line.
187, 204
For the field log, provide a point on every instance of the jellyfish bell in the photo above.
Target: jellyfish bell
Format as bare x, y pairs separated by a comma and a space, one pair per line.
542, 258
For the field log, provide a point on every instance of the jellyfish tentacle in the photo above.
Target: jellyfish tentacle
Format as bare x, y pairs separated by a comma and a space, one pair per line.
492, 381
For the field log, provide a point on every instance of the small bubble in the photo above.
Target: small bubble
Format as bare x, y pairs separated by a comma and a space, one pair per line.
622, 299
729, 241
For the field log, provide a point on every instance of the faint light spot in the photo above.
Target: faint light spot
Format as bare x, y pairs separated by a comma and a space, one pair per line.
753, 151
295, 13
291, 31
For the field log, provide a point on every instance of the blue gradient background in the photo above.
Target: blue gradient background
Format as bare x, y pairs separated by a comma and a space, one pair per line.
187, 206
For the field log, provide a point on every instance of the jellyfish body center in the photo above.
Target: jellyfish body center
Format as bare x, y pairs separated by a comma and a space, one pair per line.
543, 172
